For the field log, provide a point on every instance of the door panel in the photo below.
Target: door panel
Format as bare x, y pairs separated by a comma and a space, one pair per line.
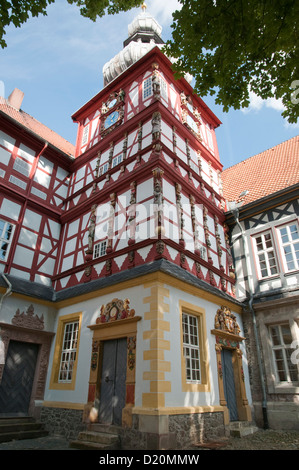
17, 379
107, 382
229, 384
120, 382
113, 381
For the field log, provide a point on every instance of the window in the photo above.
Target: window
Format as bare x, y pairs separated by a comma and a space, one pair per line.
6, 231
43, 172
85, 135
104, 168
147, 88
99, 249
289, 237
191, 348
281, 340
163, 86
265, 254
117, 160
68, 352
17, 182
22, 167
38, 193
65, 360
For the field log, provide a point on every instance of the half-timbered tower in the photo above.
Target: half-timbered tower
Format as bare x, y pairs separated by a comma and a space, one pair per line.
148, 332
263, 217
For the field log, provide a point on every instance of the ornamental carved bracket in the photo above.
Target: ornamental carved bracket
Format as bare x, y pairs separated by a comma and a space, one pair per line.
28, 319
115, 310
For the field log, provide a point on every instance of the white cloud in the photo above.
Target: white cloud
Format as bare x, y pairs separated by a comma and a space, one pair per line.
291, 126
257, 103
275, 104
162, 10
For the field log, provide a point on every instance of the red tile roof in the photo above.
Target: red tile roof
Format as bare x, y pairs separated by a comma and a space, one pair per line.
37, 127
263, 174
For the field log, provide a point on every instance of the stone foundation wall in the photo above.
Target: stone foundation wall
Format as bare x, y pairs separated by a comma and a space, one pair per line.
172, 432
62, 422
194, 428
147, 432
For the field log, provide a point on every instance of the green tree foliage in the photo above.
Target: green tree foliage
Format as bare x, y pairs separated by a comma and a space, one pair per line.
231, 47
17, 12
234, 46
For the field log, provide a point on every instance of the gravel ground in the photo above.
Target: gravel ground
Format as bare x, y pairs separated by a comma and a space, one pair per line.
267, 440
261, 440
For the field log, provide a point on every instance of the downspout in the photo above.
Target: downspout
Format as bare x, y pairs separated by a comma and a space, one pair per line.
250, 304
8, 290
6, 294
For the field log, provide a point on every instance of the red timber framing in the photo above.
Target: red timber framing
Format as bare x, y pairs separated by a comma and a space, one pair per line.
93, 184
41, 173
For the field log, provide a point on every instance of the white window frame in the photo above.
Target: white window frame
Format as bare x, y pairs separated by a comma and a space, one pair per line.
68, 352
5, 241
147, 88
289, 243
191, 348
117, 160
99, 249
163, 86
104, 168
265, 251
282, 352
85, 135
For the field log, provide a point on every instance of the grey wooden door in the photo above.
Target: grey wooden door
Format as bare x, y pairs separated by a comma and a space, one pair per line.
17, 380
229, 383
113, 381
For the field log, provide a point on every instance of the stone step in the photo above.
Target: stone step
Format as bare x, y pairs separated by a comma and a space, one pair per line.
96, 440
20, 428
21, 435
88, 445
105, 428
242, 428
16, 420
104, 438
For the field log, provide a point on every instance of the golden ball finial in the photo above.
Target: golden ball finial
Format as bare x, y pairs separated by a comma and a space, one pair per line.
144, 6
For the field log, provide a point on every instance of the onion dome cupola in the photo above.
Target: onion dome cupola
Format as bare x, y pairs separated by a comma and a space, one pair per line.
144, 28
144, 34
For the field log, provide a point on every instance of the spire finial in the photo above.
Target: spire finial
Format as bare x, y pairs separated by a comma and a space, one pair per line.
144, 6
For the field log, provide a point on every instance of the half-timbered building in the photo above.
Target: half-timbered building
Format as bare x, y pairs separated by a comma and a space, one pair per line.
34, 179
119, 248
263, 217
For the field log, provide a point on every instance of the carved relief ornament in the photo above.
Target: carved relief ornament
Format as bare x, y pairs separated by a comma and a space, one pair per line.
226, 321
115, 310
28, 319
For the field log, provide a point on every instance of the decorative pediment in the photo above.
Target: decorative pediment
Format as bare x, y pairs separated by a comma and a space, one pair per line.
226, 321
115, 310
28, 319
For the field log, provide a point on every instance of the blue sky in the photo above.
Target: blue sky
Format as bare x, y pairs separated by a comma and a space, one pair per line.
57, 62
